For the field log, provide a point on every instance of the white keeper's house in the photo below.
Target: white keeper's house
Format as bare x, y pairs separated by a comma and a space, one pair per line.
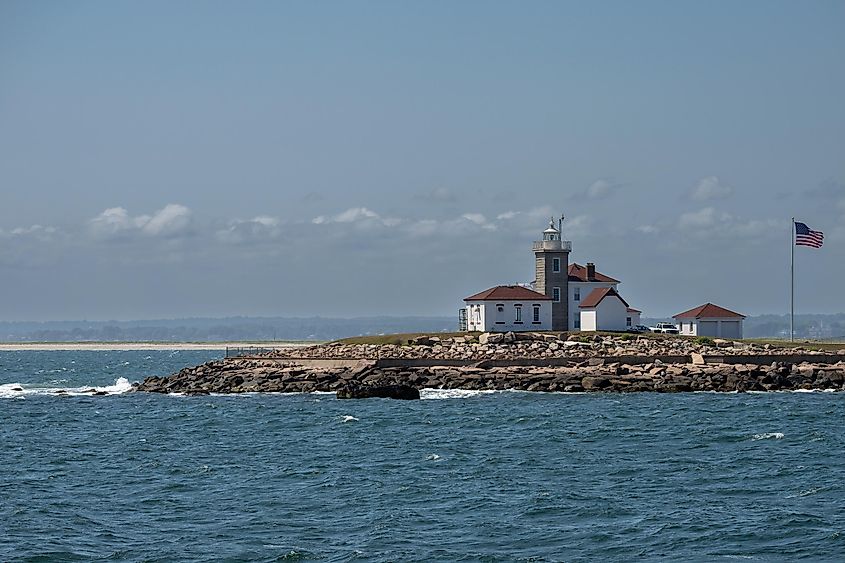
508, 308
562, 297
710, 320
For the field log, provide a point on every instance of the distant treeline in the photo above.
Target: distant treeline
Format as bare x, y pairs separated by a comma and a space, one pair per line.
218, 329
320, 328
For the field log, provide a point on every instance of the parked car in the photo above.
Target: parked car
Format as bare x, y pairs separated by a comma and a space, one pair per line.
639, 328
665, 328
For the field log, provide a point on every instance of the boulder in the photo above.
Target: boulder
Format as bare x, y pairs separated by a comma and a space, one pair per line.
697, 359
491, 338
405, 392
589, 383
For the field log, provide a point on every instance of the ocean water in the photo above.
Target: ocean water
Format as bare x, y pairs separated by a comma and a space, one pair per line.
459, 476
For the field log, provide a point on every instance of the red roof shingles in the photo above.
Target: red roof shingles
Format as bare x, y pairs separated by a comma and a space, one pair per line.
508, 293
708, 311
578, 273
595, 297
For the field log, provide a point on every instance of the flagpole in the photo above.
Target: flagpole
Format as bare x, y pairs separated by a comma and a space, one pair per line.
792, 282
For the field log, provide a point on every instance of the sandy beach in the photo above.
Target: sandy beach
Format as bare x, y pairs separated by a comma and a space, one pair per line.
95, 346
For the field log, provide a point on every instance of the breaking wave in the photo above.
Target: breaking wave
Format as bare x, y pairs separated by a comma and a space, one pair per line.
21, 390
768, 436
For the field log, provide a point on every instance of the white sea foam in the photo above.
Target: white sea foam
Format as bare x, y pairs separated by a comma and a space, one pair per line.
19, 391
433, 457
349, 418
806, 492
768, 436
452, 393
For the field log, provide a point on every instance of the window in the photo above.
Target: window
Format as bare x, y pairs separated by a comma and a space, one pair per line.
536, 313
556, 294
628, 321
518, 313
556, 265
577, 294
478, 314
577, 323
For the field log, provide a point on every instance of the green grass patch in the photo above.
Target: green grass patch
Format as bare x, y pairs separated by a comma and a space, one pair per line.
404, 338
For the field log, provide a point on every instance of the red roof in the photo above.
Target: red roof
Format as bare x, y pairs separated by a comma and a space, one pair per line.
508, 293
707, 311
577, 273
595, 297
632, 310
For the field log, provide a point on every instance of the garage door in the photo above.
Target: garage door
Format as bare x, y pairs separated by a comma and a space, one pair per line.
707, 328
730, 329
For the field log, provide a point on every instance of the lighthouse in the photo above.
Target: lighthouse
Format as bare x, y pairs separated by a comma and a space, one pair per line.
551, 258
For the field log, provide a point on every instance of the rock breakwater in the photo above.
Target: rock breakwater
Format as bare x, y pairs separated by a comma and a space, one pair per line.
530, 362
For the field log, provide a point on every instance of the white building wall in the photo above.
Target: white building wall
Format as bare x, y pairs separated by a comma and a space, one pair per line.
475, 316
713, 327
585, 289
610, 314
635, 318
484, 316
588, 320
687, 327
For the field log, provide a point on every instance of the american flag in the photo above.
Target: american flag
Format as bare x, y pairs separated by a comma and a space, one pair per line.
804, 236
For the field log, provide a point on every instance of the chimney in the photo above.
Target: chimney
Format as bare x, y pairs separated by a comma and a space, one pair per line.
591, 271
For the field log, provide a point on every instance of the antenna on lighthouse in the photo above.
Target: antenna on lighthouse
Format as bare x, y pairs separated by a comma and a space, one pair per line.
560, 225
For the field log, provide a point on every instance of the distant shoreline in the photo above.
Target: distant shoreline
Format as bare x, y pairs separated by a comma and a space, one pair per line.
104, 346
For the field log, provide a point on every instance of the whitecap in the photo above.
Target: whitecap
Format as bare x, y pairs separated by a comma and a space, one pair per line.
433, 457
11, 390
349, 418
806, 493
452, 393
768, 435
17, 390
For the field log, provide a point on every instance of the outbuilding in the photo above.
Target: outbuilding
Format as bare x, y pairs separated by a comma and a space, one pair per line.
710, 320
507, 308
604, 309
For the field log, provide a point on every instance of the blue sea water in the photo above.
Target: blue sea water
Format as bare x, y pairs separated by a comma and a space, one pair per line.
460, 476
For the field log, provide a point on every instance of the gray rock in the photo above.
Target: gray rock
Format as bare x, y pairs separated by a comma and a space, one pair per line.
405, 392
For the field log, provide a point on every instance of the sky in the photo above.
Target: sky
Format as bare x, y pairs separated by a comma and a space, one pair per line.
176, 159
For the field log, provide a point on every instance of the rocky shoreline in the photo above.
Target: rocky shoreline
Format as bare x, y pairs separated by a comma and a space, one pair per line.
529, 362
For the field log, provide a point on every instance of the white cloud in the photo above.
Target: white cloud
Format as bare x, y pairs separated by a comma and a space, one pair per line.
256, 229
601, 188
710, 188
507, 215
359, 215
708, 224
170, 220
39, 232
648, 229
480, 220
